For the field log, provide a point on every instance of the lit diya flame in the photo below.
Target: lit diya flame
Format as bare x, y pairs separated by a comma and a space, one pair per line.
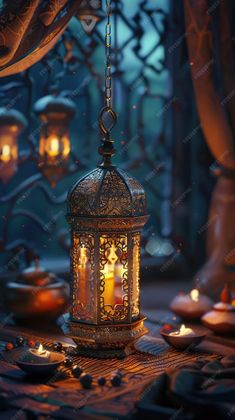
40, 352
194, 295
183, 331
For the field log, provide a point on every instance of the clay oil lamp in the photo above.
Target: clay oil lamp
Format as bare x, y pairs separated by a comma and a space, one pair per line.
39, 360
182, 338
192, 305
36, 295
221, 319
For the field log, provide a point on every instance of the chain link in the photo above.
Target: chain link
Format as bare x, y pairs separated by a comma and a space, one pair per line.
108, 80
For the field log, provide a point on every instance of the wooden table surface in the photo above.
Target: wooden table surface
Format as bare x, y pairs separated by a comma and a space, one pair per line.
62, 396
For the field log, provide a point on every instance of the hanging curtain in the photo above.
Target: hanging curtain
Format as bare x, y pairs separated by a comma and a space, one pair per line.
29, 29
216, 110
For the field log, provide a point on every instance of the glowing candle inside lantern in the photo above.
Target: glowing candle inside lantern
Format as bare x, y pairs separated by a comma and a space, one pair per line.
109, 277
194, 295
54, 147
5, 153
183, 331
39, 354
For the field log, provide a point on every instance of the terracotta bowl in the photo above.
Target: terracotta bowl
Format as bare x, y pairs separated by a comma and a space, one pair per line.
182, 342
41, 368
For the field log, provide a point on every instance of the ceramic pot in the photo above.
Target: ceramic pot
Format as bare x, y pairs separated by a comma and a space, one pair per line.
36, 295
221, 319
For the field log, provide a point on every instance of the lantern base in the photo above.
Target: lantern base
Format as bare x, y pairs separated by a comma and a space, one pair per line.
106, 341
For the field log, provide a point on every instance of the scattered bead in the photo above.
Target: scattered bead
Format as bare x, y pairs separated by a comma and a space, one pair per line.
68, 361
31, 343
19, 340
58, 346
86, 380
101, 380
9, 346
77, 370
116, 380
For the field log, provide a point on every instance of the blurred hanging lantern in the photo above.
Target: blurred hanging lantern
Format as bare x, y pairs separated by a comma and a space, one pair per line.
90, 13
55, 112
106, 211
12, 122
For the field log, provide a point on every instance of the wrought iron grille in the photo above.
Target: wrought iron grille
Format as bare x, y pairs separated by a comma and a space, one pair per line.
32, 212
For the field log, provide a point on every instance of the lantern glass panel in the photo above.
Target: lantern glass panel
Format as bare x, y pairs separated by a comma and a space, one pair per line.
83, 278
136, 276
113, 278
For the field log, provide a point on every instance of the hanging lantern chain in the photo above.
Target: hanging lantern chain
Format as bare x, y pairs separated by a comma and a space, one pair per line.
108, 40
107, 117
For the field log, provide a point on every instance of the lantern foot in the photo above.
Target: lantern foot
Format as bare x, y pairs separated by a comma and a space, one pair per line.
106, 341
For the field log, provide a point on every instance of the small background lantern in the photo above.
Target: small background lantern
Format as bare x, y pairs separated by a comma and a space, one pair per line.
12, 123
55, 112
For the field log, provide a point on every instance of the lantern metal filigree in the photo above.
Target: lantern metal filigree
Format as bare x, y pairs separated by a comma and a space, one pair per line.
12, 122
55, 113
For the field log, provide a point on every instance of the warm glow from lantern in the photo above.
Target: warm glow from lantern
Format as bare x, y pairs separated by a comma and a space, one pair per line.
194, 294
5, 155
8, 154
54, 147
66, 146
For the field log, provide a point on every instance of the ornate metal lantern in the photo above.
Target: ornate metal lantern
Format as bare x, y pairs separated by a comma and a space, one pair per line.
55, 112
106, 210
12, 123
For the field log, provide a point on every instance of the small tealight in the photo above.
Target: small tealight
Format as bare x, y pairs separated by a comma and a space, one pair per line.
183, 331
182, 338
38, 355
38, 360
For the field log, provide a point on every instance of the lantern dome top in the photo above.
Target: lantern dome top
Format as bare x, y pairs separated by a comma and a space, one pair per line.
107, 192
12, 117
51, 104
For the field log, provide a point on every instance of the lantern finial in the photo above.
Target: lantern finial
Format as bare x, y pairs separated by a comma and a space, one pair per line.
107, 150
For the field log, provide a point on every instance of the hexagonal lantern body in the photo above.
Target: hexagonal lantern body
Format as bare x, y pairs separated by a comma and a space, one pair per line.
55, 112
106, 211
12, 122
